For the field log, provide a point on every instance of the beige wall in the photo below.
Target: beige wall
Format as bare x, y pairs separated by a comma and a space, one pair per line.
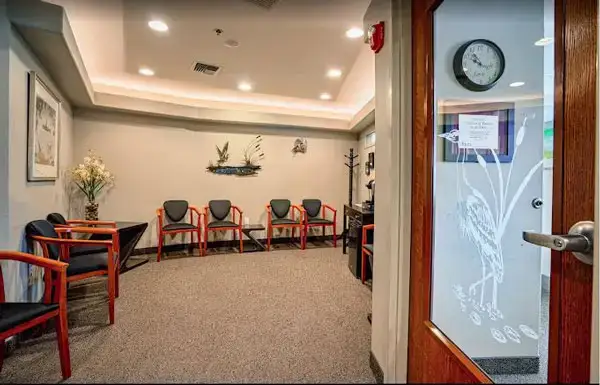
155, 159
28, 201
4, 129
363, 157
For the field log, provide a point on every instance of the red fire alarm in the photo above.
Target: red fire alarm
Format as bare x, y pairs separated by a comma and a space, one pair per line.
376, 36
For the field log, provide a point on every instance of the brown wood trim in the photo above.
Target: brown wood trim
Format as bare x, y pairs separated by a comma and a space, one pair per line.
570, 322
451, 348
557, 189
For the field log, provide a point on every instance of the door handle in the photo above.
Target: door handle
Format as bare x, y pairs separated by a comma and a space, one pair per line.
579, 241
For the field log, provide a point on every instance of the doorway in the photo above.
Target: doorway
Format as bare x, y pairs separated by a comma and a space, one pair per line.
503, 127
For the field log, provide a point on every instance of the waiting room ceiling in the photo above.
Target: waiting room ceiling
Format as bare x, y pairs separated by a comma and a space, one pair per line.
285, 47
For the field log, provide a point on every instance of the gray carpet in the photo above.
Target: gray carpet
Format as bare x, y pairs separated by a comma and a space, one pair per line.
284, 316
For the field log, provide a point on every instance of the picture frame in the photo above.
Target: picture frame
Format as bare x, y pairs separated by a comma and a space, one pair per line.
506, 140
43, 131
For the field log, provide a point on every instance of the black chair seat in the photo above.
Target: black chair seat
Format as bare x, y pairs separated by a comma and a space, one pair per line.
319, 221
14, 314
284, 221
219, 224
84, 250
369, 247
87, 263
179, 226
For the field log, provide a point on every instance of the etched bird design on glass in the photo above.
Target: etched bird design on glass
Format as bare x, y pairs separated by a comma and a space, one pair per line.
483, 222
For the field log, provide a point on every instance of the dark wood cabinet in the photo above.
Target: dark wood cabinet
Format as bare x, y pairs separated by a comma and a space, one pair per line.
355, 218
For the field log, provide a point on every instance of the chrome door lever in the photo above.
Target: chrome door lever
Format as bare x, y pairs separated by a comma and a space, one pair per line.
579, 241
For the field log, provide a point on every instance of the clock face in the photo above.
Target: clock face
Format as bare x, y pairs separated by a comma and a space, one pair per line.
478, 65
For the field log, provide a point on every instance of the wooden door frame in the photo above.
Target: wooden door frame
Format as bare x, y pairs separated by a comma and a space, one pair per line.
575, 127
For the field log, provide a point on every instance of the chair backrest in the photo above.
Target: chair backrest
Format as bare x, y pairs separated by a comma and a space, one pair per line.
312, 207
43, 228
56, 219
280, 207
219, 208
176, 209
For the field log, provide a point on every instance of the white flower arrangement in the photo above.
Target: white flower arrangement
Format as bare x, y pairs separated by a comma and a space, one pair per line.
91, 176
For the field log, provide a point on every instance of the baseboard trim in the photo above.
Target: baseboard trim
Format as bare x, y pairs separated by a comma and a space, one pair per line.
376, 368
228, 243
509, 365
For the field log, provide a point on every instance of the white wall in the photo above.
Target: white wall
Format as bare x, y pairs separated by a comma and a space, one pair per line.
27, 201
4, 131
154, 160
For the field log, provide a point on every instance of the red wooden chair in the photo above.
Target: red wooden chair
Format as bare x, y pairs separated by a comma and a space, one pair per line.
220, 210
56, 247
18, 317
175, 211
59, 221
279, 209
366, 249
312, 209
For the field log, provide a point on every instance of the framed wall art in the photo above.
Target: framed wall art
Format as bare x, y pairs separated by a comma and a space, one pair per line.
42, 131
506, 128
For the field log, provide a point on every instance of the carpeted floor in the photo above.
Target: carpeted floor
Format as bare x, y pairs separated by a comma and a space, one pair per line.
284, 316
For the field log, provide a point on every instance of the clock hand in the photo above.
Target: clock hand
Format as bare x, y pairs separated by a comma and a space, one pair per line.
476, 60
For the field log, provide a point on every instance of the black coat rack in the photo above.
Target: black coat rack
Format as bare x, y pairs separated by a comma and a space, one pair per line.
350, 164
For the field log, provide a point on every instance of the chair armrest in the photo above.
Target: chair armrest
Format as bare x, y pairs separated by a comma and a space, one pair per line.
71, 242
112, 224
269, 214
239, 212
330, 208
86, 230
300, 210
34, 260
200, 214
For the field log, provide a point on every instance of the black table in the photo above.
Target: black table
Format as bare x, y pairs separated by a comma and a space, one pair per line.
129, 235
247, 230
356, 217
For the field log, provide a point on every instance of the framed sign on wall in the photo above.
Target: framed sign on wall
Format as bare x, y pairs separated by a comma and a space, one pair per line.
450, 128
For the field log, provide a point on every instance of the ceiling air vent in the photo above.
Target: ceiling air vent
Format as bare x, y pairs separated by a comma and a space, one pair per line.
267, 4
206, 69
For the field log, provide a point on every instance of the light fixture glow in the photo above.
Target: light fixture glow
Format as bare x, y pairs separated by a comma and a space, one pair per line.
325, 96
245, 86
158, 25
334, 73
544, 41
517, 84
354, 33
146, 71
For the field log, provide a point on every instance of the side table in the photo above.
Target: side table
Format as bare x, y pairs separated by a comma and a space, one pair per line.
258, 246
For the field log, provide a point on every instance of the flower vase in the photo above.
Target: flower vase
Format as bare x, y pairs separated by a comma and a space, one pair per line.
91, 211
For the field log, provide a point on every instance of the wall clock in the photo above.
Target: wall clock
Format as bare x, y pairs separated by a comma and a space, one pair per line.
478, 65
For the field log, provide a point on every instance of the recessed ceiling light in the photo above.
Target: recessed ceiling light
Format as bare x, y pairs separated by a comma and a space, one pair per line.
517, 84
355, 33
245, 86
334, 73
544, 41
158, 25
325, 96
146, 71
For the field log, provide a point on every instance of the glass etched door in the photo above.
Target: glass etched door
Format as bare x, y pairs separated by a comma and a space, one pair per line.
492, 179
